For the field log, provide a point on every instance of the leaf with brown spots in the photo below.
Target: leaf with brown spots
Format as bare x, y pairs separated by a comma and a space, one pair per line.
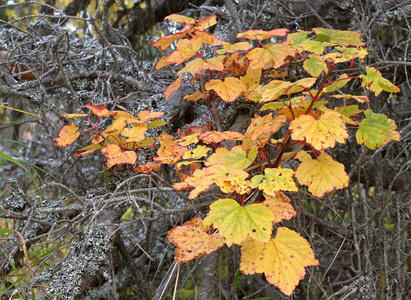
282, 259
192, 240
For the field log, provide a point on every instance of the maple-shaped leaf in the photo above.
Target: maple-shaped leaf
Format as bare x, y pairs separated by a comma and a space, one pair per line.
282, 259
100, 110
338, 84
166, 41
252, 78
135, 133
315, 65
198, 65
72, 116
189, 139
174, 86
270, 55
215, 137
206, 38
228, 90
169, 151
162, 62
376, 130
203, 24
346, 54
116, 156
192, 240
274, 180
262, 34
374, 82
198, 152
260, 130
274, 90
217, 156
67, 135
322, 175
148, 167
321, 133
202, 179
340, 37
235, 222
280, 206
186, 48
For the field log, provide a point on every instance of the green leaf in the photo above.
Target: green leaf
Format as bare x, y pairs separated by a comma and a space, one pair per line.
341, 37
235, 222
374, 82
376, 130
337, 84
315, 65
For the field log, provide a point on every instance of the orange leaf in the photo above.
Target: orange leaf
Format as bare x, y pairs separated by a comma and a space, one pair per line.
322, 175
146, 115
67, 135
282, 259
100, 110
230, 48
203, 24
260, 130
116, 156
280, 206
228, 90
322, 133
192, 240
180, 19
271, 55
262, 34
185, 50
135, 133
214, 137
87, 150
150, 166
169, 152
172, 87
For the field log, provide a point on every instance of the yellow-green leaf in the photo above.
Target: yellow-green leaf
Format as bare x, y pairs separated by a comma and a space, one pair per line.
376, 130
275, 180
374, 82
235, 222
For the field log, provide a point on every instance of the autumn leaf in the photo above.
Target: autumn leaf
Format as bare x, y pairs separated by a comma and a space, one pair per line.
274, 180
175, 18
228, 90
186, 48
374, 82
260, 130
215, 137
230, 48
338, 84
87, 150
321, 133
192, 240
135, 133
146, 115
169, 151
315, 65
116, 156
361, 99
340, 37
67, 135
376, 130
233, 184
172, 87
322, 175
347, 112
282, 259
270, 55
279, 204
237, 158
148, 167
262, 34
197, 66
100, 110
72, 116
203, 24
235, 222
198, 152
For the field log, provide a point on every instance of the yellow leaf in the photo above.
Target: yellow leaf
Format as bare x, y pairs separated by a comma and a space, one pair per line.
322, 175
67, 135
274, 180
282, 259
322, 133
192, 240
135, 134
198, 152
169, 151
235, 222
